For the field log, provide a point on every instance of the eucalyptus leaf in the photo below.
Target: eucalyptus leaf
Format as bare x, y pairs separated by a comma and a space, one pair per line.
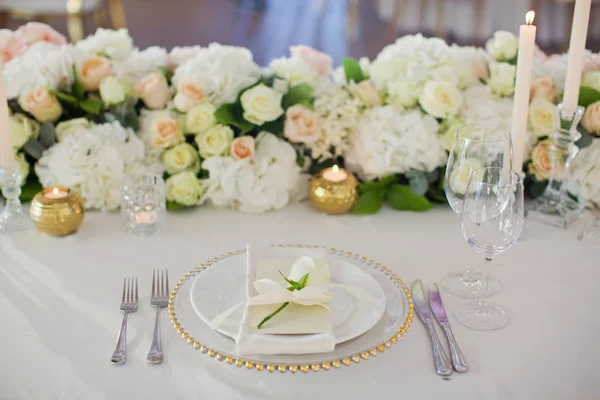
91, 106
352, 70
34, 148
110, 117
585, 140
433, 176
368, 203
231, 114
588, 95
401, 197
419, 185
47, 135
298, 94
537, 188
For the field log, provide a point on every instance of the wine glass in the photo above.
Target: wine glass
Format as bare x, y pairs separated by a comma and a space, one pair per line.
475, 146
491, 221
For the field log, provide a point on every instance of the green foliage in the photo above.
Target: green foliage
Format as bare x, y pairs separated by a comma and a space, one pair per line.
91, 106
172, 206
401, 197
31, 188
352, 70
77, 89
588, 95
368, 203
299, 94
232, 114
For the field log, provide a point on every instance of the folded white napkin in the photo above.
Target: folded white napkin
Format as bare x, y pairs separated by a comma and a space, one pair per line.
250, 340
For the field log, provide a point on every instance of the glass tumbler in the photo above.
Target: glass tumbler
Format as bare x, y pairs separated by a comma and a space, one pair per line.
143, 204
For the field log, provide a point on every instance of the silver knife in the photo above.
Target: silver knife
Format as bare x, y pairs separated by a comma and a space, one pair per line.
435, 301
440, 358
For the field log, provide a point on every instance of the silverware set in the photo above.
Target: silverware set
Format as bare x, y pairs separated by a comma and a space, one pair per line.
443, 364
129, 304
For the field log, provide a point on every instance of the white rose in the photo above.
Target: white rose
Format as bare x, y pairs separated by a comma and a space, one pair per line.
22, 129
542, 117
403, 93
70, 127
261, 104
440, 99
180, 158
215, 141
200, 118
448, 131
112, 91
502, 79
503, 46
23, 168
461, 174
184, 188
591, 79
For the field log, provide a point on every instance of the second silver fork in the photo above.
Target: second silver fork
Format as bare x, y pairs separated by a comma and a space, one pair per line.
160, 299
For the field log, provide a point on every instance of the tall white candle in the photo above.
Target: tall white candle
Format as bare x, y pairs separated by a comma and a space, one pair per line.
581, 18
7, 154
522, 90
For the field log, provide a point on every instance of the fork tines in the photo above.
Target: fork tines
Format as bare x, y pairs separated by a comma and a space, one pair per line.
130, 293
160, 284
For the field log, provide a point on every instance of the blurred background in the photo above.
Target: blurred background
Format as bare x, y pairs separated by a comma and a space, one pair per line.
268, 27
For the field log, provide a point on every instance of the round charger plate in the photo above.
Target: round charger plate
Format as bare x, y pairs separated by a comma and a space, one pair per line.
392, 326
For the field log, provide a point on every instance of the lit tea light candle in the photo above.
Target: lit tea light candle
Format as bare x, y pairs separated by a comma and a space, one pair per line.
335, 174
56, 192
146, 217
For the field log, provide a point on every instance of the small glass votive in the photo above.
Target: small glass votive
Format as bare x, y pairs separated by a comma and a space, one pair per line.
143, 204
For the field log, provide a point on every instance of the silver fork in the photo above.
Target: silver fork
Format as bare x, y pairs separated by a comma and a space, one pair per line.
160, 299
129, 304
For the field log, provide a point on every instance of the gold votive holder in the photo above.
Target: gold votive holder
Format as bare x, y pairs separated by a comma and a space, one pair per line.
57, 211
336, 196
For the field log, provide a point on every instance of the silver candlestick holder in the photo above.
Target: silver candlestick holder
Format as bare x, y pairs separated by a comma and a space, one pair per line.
556, 206
12, 218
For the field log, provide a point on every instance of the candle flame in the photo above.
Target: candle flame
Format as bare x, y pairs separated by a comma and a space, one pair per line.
529, 17
55, 191
335, 168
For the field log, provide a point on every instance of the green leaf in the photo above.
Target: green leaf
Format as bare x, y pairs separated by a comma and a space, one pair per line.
91, 106
67, 99
231, 114
588, 95
436, 194
77, 89
537, 188
275, 127
172, 206
368, 203
31, 188
378, 186
352, 70
401, 197
299, 94
303, 280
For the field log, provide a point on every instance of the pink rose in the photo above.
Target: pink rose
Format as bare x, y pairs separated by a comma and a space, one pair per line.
37, 32
93, 70
189, 94
321, 62
591, 119
242, 148
11, 45
301, 125
154, 91
41, 104
543, 87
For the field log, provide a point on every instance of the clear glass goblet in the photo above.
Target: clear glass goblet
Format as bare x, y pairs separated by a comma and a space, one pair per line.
491, 222
475, 146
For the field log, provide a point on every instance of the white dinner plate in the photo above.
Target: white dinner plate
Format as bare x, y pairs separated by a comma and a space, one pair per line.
224, 284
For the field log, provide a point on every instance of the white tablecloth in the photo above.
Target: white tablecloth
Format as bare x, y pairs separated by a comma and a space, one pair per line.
59, 301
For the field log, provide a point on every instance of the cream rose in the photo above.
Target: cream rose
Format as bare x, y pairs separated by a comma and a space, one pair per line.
366, 92
502, 79
403, 93
93, 70
242, 148
503, 46
181, 158
448, 130
112, 91
320, 62
261, 104
440, 99
184, 188
591, 79
189, 94
165, 131
153, 90
301, 125
23, 168
70, 127
460, 175
42, 104
480, 67
200, 118
591, 119
215, 141
22, 129
542, 117
543, 87
541, 160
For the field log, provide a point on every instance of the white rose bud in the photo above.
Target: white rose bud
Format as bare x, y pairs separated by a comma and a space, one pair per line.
448, 130
542, 117
261, 104
40, 103
503, 46
200, 118
154, 90
502, 79
440, 99
461, 174
165, 131
403, 93
22, 129
591, 119
184, 188
215, 141
70, 127
591, 79
181, 158
112, 91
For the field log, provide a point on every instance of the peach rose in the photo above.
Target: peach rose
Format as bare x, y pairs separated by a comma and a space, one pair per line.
542, 160
543, 87
37, 32
41, 104
93, 70
242, 148
301, 125
11, 45
480, 68
591, 119
189, 94
154, 91
165, 132
320, 62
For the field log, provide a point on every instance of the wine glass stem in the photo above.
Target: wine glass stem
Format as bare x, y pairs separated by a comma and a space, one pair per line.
482, 289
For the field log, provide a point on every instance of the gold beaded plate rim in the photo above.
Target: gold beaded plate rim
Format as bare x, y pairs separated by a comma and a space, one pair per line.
293, 368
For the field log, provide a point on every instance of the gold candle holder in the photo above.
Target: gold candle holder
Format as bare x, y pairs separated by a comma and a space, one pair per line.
57, 211
333, 191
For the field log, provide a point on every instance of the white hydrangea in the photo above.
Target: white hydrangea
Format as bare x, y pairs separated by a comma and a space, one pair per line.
181, 54
116, 44
269, 181
223, 70
93, 162
389, 141
480, 106
140, 63
585, 174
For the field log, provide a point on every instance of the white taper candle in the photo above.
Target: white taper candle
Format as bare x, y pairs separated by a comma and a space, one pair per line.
581, 18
